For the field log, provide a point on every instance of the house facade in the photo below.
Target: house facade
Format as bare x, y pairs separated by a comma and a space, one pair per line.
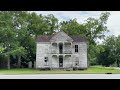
60, 51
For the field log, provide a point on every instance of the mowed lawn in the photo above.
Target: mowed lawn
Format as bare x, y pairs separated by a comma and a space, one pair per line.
92, 69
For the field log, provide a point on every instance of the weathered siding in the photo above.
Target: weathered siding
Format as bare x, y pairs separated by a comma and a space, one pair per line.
81, 54
67, 62
55, 62
42, 52
61, 36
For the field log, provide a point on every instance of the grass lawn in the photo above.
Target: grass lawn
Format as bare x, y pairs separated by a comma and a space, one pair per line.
92, 69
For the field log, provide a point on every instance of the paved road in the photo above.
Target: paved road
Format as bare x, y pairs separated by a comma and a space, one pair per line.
62, 76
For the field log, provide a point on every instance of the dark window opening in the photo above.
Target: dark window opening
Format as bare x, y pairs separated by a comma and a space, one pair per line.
60, 48
60, 61
46, 57
76, 48
46, 60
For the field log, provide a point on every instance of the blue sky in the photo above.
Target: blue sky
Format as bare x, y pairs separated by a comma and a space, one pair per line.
113, 23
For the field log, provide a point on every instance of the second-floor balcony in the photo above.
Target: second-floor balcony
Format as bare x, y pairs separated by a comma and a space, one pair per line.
61, 48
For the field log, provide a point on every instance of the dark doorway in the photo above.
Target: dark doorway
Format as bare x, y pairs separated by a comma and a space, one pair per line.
60, 48
60, 61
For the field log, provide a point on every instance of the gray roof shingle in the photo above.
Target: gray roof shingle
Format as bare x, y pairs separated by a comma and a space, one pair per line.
43, 38
79, 38
46, 38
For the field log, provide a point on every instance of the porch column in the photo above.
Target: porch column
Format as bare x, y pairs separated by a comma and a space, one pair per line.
57, 47
71, 47
51, 47
51, 62
64, 61
63, 47
58, 61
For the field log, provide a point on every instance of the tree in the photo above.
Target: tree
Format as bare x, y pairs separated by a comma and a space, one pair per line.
52, 24
1, 49
72, 27
9, 33
28, 26
18, 51
111, 52
94, 53
117, 54
115, 47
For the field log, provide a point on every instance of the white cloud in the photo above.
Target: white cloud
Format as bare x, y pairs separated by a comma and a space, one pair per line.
113, 21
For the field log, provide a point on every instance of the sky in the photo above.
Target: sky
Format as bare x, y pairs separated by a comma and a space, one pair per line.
113, 23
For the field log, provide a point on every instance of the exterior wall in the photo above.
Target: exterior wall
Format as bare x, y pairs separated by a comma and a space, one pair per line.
54, 48
67, 48
55, 62
67, 61
81, 54
42, 51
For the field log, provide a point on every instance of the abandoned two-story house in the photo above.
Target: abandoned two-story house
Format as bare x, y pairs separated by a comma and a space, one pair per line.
61, 51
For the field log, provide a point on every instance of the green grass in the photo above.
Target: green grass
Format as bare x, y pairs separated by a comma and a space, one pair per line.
92, 69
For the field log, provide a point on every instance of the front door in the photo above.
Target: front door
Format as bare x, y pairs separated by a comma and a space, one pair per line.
60, 61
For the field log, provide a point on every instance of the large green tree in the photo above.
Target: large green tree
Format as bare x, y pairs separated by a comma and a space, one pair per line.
105, 54
9, 29
111, 53
19, 30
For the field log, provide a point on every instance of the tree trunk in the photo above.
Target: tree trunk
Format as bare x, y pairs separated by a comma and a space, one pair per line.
19, 61
118, 63
8, 62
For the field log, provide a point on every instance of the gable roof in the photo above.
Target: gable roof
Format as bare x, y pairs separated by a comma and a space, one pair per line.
79, 38
43, 38
47, 38
61, 36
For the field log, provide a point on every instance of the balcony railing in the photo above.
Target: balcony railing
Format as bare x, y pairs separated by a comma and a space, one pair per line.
63, 52
61, 48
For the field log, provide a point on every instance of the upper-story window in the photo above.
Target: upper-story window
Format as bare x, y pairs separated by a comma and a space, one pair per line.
76, 48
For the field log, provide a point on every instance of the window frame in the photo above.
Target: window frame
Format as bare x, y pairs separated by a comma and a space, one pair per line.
76, 48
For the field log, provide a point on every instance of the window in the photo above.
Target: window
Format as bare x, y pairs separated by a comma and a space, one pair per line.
76, 48
46, 57
46, 60
77, 61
